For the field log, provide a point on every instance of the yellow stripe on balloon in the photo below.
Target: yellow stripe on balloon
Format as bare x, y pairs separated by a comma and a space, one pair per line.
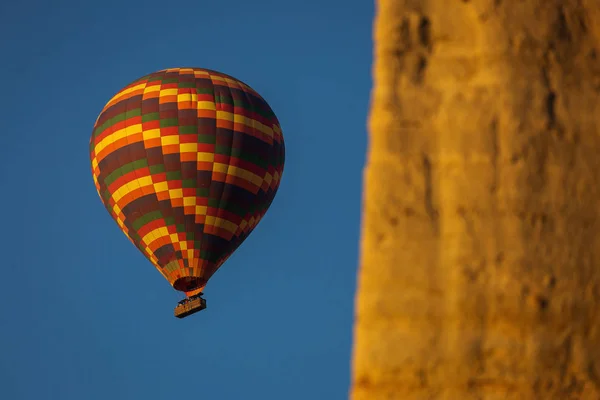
188, 147
124, 93
168, 92
238, 172
187, 97
116, 136
221, 223
154, 235
189, 201
205, 157
151, 134
176, 194
169, 140
130, 187
243, 120
206, 105
161, 187
201, 210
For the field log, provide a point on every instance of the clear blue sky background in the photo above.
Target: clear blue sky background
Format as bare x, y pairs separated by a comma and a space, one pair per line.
83, 315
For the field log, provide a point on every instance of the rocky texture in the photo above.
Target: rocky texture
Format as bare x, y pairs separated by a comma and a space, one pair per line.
480, 254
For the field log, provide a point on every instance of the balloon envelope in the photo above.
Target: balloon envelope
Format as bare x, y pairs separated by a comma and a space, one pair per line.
187, 161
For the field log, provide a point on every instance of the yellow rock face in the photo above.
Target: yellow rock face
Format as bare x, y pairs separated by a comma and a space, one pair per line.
480, 253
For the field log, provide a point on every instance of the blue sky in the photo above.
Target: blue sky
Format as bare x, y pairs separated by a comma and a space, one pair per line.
83, 315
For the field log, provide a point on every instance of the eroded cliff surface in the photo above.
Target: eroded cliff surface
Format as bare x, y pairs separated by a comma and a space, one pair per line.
480, 257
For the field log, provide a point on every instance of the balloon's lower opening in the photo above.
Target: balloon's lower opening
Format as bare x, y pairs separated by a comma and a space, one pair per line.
188, 283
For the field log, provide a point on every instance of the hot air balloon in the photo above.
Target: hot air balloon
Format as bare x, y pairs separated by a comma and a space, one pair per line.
187, 161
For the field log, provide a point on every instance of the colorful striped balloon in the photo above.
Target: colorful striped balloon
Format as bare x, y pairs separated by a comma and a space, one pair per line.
187, 161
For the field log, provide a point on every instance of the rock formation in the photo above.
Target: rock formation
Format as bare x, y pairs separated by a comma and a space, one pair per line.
479, 275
